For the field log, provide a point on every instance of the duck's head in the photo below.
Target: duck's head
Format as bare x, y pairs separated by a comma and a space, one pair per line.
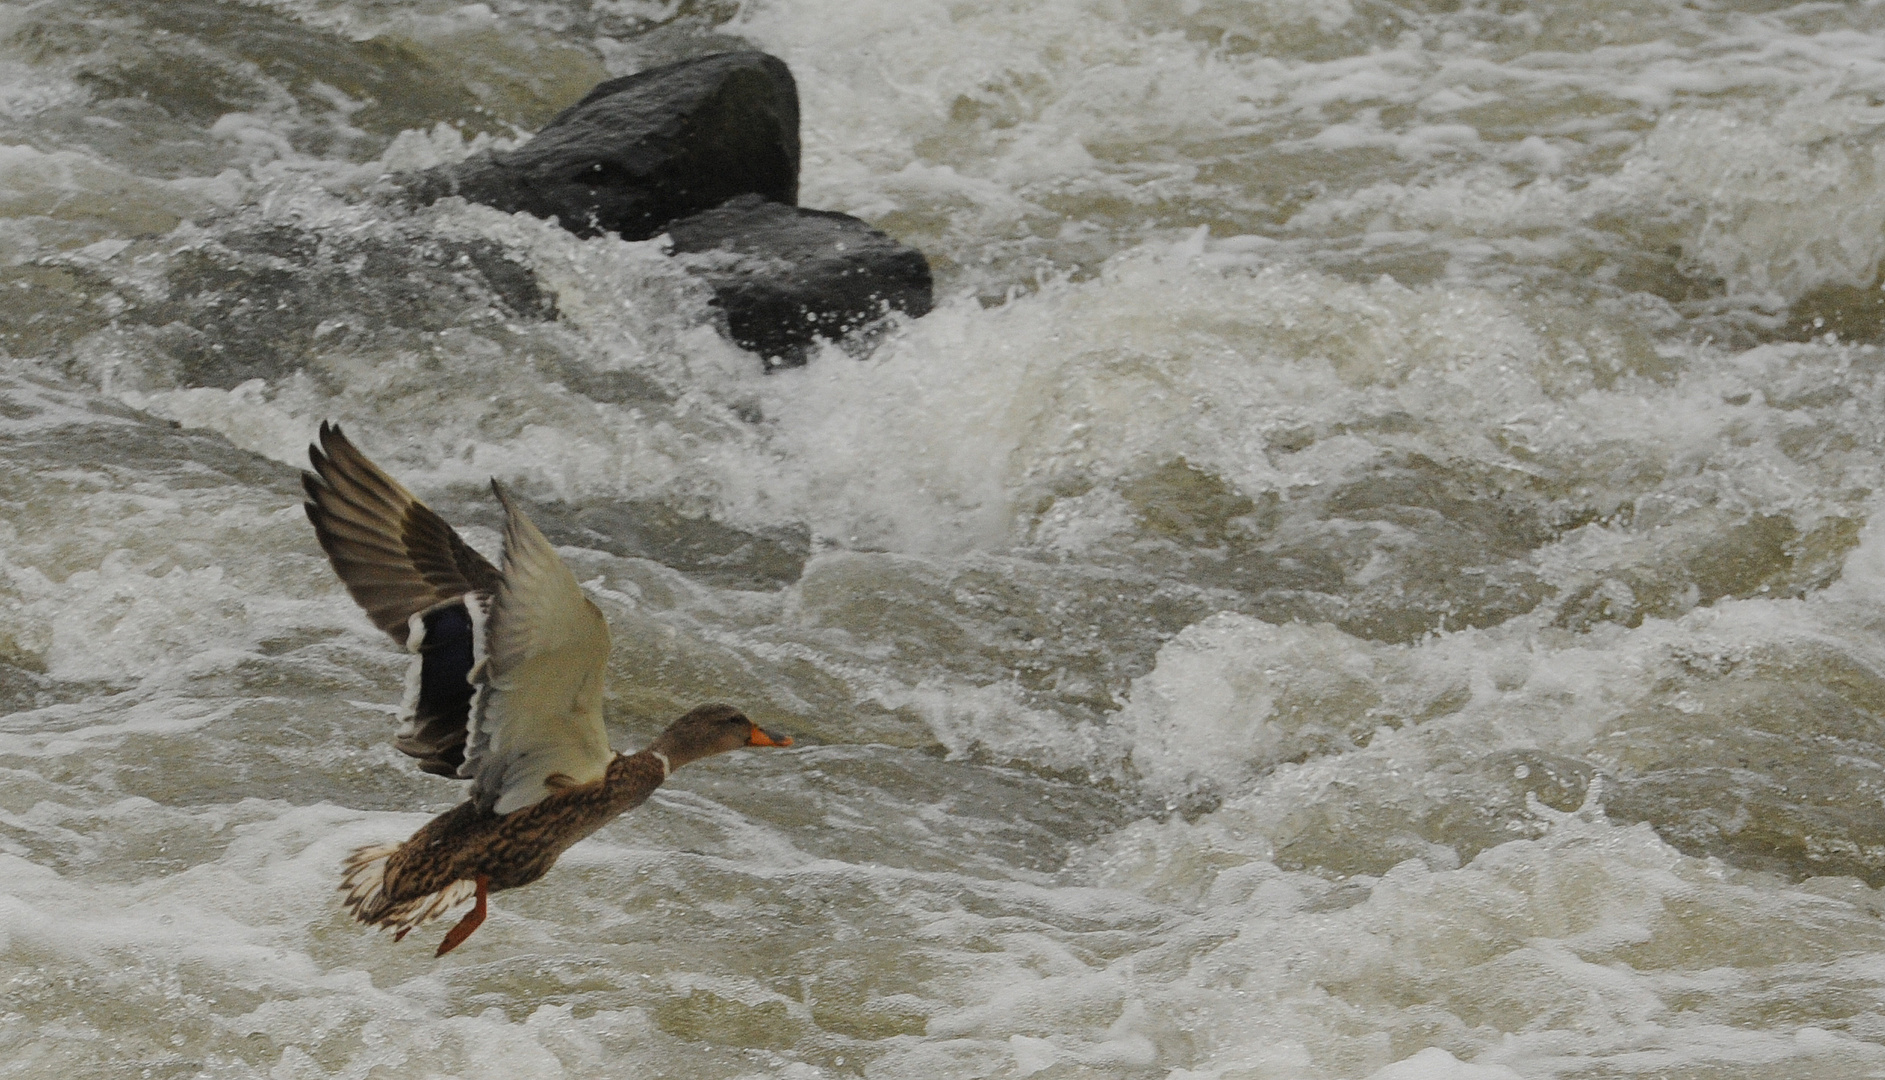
710, 730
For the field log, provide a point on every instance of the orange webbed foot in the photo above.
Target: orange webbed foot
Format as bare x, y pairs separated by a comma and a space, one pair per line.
472, 920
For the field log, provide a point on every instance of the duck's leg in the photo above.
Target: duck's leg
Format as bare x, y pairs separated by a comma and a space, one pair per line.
472, 920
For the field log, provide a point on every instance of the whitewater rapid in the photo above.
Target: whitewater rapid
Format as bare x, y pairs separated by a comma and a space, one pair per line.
1368, 572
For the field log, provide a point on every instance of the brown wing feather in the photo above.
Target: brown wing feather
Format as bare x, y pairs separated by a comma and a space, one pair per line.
398, 558
394, 554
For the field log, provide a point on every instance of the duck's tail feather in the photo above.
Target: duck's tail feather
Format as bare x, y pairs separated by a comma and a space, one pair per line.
363, 879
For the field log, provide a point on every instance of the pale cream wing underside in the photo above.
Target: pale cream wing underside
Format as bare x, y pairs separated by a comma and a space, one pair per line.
538, 708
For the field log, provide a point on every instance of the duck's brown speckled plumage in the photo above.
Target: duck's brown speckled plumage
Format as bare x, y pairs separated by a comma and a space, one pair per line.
529, 735
513, 849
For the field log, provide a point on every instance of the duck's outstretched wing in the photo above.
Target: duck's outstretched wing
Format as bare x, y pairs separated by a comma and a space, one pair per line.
394, 554
543, 649
411, 572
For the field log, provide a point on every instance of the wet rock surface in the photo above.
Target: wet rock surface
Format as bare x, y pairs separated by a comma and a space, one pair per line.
639, 151
786, 276
706, 150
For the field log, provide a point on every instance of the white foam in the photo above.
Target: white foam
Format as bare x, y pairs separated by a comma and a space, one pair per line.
1232, 696
1495, 940
1281, 913
1777, 203
970, 415
71, 185
1434, 1063
194, 585
993, 720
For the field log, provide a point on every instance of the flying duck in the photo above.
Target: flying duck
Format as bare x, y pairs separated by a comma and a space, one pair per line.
504, 690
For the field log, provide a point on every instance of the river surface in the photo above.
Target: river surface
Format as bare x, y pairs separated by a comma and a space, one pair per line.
1375, 566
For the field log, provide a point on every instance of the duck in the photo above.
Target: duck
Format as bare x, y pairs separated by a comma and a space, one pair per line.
504, 689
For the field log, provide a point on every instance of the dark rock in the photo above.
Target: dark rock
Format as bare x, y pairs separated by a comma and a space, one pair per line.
707, 150
786, 276
642, 150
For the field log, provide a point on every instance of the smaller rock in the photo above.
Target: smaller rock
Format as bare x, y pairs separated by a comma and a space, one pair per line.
786, 276
644, 149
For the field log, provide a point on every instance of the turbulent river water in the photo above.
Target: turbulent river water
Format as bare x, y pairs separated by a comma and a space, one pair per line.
1373, 568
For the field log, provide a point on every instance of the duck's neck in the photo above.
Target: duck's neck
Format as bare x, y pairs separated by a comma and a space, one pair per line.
633, 777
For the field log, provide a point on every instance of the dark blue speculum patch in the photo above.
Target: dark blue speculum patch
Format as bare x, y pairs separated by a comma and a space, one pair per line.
447, 659
437, 734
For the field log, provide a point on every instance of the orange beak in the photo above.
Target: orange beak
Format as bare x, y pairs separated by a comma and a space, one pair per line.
762, 737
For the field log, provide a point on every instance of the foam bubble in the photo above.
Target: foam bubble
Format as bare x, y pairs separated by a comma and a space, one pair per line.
1487, 949
1434, 1063
68, 185
1778, 201
1233, 696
